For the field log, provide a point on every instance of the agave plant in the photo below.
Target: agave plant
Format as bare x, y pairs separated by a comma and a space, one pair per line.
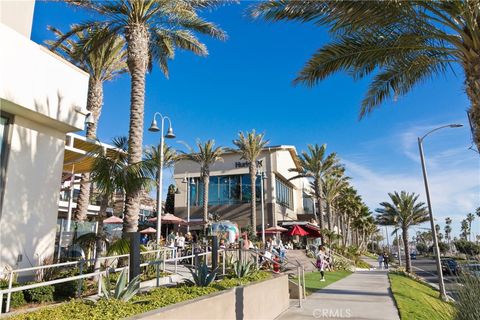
122, 290
202, 276
243, 269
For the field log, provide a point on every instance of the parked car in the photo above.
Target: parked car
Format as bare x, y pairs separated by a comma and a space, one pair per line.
450, 266
473, 269
413, 256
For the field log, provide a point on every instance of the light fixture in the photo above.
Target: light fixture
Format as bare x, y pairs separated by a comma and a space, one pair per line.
184, 180
177, 191
153, 126
170, 134
89, 120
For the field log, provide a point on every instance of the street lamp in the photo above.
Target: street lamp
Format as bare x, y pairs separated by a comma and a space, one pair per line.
170, 135
441, 284
262, 176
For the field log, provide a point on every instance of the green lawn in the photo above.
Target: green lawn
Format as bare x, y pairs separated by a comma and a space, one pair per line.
313, 283
418, 301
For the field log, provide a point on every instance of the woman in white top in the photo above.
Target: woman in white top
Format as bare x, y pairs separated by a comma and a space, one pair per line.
321, 262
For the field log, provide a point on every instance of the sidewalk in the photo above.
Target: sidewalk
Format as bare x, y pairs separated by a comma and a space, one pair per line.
362, 295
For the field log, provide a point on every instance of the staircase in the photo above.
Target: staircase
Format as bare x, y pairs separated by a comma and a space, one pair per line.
295, 257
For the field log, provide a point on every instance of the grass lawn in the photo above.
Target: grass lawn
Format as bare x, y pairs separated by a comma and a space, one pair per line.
418, 301
313, 283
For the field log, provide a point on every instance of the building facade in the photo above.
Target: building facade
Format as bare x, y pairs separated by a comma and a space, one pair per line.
230, 188
42, 97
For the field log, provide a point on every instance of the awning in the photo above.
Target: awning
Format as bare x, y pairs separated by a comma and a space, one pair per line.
78, 156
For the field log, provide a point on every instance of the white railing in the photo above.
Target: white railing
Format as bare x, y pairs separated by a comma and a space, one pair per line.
169, 255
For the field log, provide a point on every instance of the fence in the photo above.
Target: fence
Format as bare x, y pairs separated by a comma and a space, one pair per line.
161, 256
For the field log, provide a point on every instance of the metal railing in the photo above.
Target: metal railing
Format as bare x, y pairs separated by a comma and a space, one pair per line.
162, 256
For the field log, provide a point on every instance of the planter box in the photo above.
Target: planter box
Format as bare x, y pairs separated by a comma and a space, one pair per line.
261, 300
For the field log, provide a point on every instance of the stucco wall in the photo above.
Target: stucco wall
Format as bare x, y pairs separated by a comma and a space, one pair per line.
18, 15
29, 213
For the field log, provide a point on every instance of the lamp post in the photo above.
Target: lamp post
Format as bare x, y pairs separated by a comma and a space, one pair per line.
261, 174
170, 135
441, 284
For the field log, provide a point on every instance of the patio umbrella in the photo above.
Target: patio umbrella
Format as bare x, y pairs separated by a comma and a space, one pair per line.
275, 229
113, 220
297, 231
168, 218
148, 230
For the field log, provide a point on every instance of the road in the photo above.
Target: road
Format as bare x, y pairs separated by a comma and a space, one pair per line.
427, 269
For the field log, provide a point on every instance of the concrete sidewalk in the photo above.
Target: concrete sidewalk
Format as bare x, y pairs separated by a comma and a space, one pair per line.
362, 295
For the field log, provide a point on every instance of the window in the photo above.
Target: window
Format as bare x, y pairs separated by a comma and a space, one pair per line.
284, 193
224, 190
5, 122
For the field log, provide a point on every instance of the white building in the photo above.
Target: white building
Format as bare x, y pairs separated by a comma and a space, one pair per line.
229, 189
42, 97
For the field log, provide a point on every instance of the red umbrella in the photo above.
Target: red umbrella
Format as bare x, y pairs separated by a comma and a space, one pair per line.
113, 220
275, 229
297, 231
168, 218
148, 230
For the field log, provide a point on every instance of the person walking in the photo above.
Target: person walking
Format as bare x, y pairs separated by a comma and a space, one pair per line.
321, 262
385, 260
380, 261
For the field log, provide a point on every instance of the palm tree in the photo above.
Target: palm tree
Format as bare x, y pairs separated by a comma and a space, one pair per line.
250, 145
333, 185
206, 155
448, 229
464, 227
103, 59
152, 29
470, 218
111, 172
402, 42
314, 165
403, 212
349, 204
477, 211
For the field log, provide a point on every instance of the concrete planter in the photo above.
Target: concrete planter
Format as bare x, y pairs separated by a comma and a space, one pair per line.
261, 300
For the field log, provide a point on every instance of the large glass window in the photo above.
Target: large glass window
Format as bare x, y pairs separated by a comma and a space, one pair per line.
224, 190
284, 193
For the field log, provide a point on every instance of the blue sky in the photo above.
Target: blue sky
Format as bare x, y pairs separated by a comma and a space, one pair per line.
245, 83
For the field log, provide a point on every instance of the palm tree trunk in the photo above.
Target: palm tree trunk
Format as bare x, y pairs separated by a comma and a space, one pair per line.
318, 195
94, 105
100, 234
206, 182
329, 216
408, 263
347, 229
137, 60
472, 88
253, 200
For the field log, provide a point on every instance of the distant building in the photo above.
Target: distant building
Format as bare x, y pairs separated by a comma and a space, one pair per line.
230, 193
42, 98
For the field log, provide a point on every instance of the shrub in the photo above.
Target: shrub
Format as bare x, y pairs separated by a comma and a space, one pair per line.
202, 276
242, 269
17, 299
468, 297
467, 247
362, 264
422, 248
122, 291
66, 290
40, 294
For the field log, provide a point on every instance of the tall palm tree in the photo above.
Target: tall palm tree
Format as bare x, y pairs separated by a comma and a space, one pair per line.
477, 211
448, 229
349, 204
403, 212
314, 165
464, 227
152, 29
333, 185
402, 43
206, 155
103, 59
250, 146
470, 219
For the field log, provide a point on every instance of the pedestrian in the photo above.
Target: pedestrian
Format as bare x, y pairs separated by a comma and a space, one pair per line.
385, 260
380, 261
180, 243
321, 262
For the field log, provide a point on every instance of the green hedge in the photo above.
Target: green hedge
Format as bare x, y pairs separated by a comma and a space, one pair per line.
154, 299
17, 299
40, 294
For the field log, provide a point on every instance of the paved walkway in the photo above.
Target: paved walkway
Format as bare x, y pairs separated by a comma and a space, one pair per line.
362, 295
